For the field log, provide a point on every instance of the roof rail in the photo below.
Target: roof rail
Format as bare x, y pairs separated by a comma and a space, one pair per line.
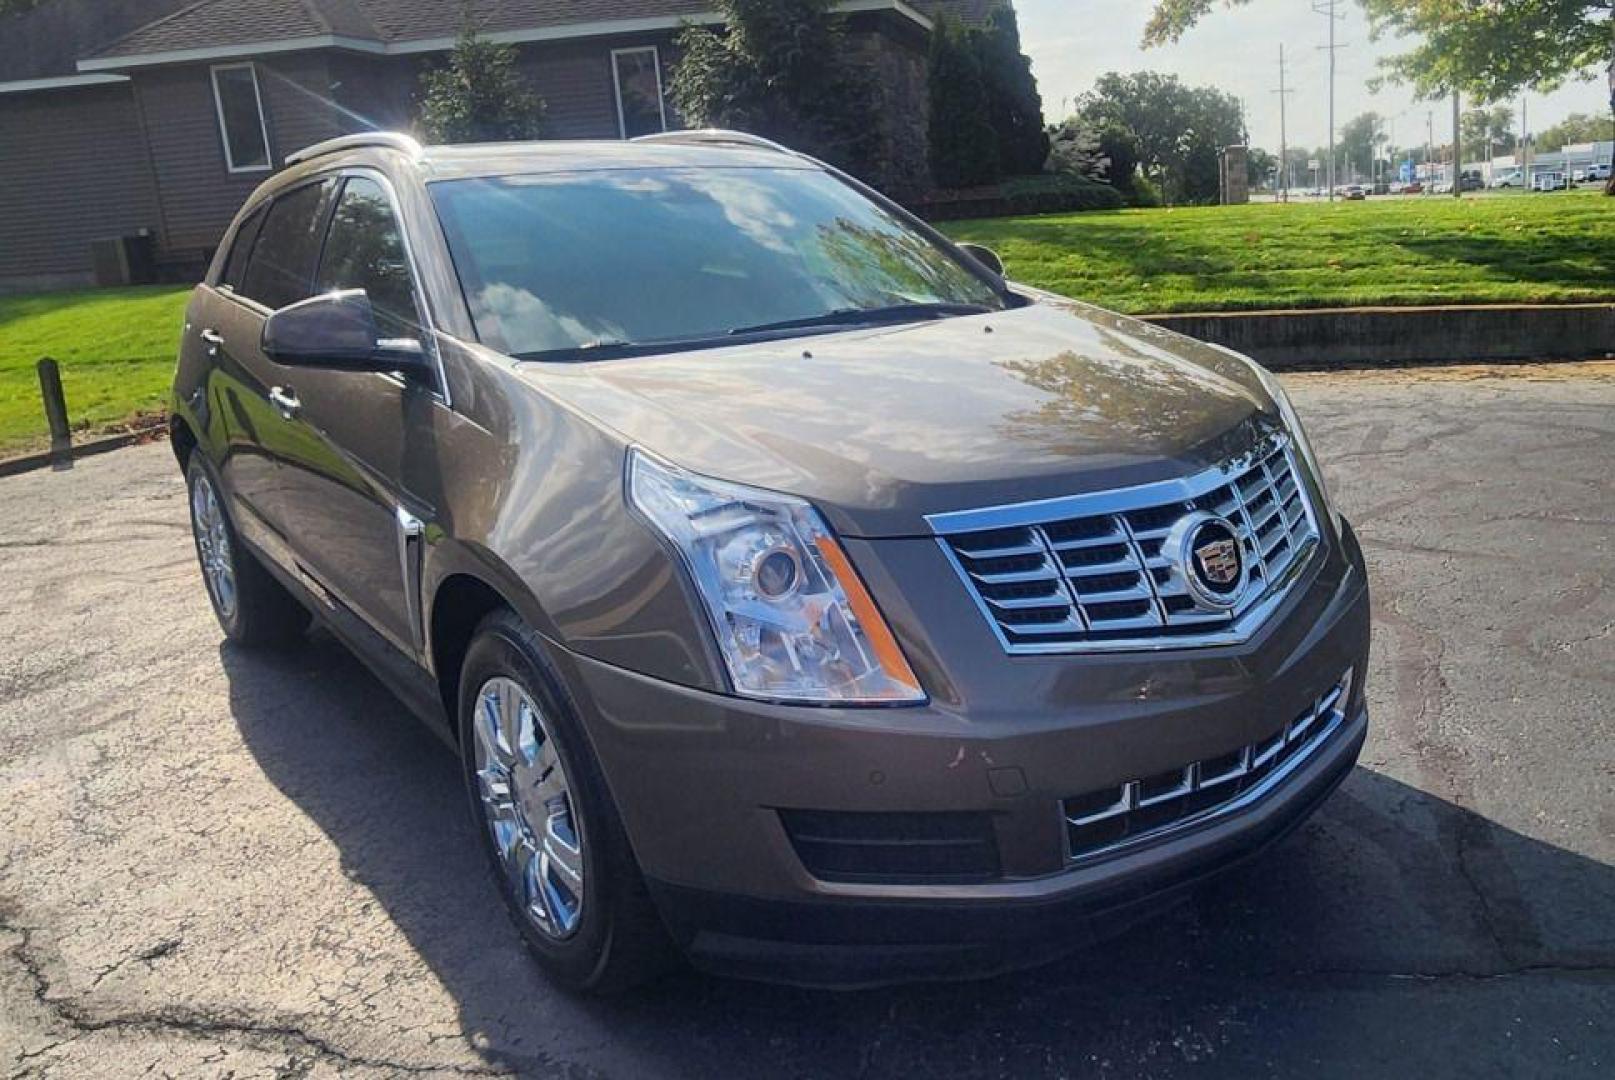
715, 137
392, 140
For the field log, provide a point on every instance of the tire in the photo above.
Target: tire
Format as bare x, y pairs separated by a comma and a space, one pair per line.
253, 609
604, 936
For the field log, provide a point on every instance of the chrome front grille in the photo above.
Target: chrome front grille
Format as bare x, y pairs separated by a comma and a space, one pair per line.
1137, 811
1088, 571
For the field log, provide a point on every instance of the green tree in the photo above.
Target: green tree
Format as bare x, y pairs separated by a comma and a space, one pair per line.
779, 69
1487, 127
963, 145
1261, 167
478, 95
1357, 140
1106, 152
1489, 51
1179, 129
1575, 128
1014, 107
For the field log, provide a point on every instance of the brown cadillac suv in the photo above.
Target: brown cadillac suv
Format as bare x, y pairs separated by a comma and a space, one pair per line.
801, 595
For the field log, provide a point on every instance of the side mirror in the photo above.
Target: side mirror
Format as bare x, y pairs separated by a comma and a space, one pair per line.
986, 256
337, 330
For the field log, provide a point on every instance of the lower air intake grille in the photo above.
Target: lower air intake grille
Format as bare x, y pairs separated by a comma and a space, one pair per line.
1138, 811
893, 848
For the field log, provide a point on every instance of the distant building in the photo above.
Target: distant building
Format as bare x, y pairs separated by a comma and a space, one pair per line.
1567, 159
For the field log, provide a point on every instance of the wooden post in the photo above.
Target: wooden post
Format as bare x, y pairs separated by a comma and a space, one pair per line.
61, 439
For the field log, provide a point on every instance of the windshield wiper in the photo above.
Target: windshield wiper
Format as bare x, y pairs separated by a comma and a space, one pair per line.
860, 316
612, 348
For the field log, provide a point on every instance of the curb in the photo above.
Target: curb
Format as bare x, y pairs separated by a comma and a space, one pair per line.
42, 460
1369, 337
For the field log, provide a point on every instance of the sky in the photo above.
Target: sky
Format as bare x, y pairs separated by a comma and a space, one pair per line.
1072, 42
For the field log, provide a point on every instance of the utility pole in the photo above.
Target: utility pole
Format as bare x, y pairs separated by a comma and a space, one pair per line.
1284, 143
1457, 148
1429, 144
1327, 8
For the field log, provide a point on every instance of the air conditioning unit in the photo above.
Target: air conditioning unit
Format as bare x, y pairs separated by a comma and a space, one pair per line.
125, 260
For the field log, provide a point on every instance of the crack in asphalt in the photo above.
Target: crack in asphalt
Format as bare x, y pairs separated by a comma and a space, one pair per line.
82, 1021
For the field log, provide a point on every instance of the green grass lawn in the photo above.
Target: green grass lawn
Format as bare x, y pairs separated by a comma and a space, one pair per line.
116, 348
1521, 248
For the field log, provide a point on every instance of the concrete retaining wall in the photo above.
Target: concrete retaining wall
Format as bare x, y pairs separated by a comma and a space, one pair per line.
1373, 337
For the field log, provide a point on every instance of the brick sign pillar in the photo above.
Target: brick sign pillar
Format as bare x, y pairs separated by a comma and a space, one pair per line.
1233, 175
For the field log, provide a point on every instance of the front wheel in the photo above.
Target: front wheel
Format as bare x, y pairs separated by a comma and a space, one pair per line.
253, 608
559, 855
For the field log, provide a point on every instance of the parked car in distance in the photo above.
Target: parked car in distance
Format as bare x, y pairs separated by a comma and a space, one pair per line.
1509, 179
1413, 187
1598, 171
801, 595
1355, 191
1578, 176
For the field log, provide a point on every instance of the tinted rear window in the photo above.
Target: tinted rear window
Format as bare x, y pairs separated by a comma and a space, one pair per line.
281, 270
240, 248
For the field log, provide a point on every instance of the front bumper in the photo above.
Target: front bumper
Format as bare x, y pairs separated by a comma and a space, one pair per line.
850, 943
701, 780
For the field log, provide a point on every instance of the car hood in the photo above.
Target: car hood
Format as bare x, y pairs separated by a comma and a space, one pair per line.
880, 427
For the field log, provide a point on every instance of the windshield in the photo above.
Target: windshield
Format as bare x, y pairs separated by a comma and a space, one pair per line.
554, 266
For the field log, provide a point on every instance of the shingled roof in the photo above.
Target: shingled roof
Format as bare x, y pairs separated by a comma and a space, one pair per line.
62, 37
49, 41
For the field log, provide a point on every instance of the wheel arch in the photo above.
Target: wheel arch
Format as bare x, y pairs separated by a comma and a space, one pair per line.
181, 439
464, 591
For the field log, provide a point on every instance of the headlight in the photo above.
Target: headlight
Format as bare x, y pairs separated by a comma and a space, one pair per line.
792, 619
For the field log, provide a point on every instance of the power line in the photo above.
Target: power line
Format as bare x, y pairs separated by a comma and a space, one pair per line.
1327, 8
1284, 147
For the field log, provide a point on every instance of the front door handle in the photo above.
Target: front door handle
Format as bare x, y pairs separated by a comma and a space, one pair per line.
284, 399
213, 339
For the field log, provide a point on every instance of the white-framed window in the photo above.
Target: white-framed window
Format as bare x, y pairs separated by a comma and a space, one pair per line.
240, 110
637, 73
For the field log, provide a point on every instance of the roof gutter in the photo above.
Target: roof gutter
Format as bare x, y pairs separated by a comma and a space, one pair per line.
232, 52
59, 82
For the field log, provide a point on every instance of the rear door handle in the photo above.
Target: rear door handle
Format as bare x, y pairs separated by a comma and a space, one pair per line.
213, 339
285, 401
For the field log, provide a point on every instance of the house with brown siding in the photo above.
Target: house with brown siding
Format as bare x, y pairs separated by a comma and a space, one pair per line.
131, 130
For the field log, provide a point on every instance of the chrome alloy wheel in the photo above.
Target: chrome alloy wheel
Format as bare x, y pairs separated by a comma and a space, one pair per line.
213, 545
528, 804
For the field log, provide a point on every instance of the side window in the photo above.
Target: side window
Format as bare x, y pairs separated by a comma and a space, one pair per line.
365, 250
638, 76
281, 270
235, 267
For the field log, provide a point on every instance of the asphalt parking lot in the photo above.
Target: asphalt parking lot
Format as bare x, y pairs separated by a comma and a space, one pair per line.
217, 863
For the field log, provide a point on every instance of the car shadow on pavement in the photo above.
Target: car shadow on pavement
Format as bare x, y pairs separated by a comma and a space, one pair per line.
1396, 931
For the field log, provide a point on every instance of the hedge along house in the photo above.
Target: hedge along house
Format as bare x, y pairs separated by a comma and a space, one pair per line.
131, 130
